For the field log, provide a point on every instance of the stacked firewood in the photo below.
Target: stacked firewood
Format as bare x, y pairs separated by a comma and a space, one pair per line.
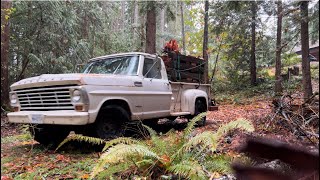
182, 68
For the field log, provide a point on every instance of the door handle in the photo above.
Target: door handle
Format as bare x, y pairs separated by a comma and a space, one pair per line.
138, 84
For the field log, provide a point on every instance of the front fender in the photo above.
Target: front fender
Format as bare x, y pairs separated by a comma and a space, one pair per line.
189, 97
95, 107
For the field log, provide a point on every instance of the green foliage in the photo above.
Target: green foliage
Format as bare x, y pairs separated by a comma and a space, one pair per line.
290, 59
189, 169
314, 71
80, 138
181, 154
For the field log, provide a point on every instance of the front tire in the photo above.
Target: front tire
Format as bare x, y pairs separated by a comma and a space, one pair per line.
110, 122
49, 134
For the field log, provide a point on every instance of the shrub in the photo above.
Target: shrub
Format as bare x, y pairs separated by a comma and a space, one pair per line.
179, 154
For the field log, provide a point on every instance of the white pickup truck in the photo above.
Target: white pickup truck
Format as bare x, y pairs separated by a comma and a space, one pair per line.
111, 91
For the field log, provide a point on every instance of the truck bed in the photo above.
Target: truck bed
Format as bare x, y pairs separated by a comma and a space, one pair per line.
177, 90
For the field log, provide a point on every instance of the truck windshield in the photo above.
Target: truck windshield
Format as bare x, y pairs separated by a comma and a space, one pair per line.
125, 65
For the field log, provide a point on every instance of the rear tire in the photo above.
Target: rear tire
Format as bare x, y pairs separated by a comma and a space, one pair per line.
200, 107
49, 134
110, 122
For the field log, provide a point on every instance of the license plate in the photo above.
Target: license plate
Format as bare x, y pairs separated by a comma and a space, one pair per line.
37, 119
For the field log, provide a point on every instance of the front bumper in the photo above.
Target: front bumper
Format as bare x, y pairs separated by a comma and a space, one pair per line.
49, 117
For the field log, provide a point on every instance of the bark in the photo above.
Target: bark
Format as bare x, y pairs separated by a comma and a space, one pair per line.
151, 29
5, 37
85, 26
253, 68
182, 29
306, 75
205, 41
278, 86
216, 62
142, 33
122, 15
135, 20
162, 22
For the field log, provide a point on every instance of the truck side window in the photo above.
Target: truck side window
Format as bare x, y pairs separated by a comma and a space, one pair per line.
154, 68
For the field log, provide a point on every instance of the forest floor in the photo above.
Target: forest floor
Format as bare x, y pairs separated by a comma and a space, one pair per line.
23, 158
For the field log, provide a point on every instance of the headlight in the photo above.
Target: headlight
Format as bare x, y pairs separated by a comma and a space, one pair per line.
76, 96
13, 99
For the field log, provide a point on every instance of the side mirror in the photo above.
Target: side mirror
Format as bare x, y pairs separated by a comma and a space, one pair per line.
79, 67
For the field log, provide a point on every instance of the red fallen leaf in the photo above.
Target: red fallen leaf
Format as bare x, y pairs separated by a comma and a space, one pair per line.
62, 158
8, 165
67, 176
5, 178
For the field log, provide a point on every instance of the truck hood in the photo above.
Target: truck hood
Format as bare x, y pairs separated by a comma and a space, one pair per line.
74, 79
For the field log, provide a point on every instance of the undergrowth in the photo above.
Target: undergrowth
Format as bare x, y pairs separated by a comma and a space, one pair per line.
173, 154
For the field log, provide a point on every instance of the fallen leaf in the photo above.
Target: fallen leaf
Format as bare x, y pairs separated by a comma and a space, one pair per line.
85, 176
5, 178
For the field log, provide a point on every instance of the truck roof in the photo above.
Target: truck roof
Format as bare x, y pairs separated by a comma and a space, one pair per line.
122, 54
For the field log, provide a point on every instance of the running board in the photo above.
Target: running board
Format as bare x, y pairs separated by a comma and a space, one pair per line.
179, 113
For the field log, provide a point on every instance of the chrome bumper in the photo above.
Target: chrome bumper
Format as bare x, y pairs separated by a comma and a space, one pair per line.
49, 117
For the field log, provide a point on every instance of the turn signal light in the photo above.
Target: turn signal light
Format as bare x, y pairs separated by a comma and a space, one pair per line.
78, 107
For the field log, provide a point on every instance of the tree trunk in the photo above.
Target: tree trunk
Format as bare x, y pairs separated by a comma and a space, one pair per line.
122, 15
151, 29
5, 37
182, 29
306, 76
205, 41
253, 69
135, 21
278, 86
162, 22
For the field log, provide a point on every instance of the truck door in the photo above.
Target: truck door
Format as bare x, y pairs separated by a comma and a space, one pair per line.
157, 90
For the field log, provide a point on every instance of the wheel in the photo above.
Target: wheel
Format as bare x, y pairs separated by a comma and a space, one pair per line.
110, 122
200, 107
49, 134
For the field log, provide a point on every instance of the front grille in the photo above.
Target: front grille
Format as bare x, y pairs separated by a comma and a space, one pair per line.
45, 98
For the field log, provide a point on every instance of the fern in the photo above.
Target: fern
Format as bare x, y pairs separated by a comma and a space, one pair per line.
189, 169
203, 140
176, 154
110, 171
152, 132
220, 163
120, 140
81, 138
121, 152
210, 139
239, 123
187, 131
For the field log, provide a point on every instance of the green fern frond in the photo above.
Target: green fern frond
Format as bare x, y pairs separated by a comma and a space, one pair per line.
239, 123
189, 169
81, 138
119, 140
203, 140
219, 164
192, 123
110, 171
121, 152
150, 130
210, 139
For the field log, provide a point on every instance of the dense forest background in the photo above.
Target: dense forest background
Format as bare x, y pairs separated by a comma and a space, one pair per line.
40, 37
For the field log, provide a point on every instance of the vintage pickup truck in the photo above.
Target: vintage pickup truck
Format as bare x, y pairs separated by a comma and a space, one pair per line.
111, 91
